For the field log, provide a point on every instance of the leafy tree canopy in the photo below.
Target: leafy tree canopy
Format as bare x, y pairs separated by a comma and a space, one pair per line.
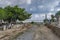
58, 13
13, 13
3, 14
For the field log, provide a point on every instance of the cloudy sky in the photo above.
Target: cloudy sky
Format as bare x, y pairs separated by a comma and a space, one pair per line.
38, 8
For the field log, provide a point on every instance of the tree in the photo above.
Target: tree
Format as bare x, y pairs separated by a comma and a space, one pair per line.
58, 13
52, 18
8, 10
3, 14
15, 13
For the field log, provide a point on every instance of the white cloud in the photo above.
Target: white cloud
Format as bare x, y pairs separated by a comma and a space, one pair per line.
8, 3
33, 8
42, 15
0, 0
52, 9
40, 6
28, 1
57, 3
58, 9
22, 1
36, 16
51, 6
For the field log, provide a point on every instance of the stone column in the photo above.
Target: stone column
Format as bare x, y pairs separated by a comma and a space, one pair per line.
4, 27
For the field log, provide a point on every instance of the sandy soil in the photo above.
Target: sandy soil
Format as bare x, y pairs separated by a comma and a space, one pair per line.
11, 33
44, 33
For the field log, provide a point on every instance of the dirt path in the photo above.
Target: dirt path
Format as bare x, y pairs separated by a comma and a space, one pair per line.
29, 34
38, 33
44, 33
